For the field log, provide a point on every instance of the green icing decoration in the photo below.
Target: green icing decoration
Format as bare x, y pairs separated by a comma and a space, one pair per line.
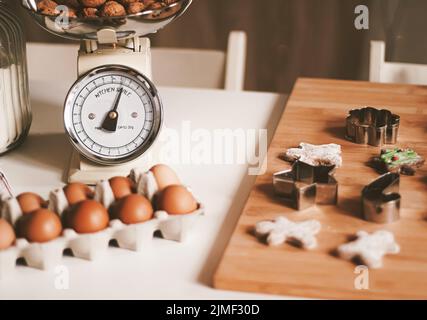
398, 156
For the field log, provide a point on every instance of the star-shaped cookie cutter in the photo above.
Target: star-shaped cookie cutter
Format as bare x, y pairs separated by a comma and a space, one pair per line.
381, 199
372, 126
306, 185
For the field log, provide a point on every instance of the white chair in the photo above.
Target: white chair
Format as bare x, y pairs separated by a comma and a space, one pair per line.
202, 68
44, 65
393, 72
171, 67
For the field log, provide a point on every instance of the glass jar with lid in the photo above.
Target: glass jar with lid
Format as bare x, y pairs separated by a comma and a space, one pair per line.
15, 110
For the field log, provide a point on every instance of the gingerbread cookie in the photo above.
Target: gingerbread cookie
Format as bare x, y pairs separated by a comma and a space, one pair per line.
370, 248
282, 230
404, 161
315, 155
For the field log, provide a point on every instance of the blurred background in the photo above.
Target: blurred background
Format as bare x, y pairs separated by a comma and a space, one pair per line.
294, 38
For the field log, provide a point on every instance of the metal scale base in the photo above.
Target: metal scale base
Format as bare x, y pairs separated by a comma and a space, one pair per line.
136, 54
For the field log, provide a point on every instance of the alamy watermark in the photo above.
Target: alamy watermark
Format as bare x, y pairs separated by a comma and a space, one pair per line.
361, 21
62, 278
62, 20
222, 146
361, 282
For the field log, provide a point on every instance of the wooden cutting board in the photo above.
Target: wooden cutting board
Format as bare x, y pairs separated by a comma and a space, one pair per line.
316, 113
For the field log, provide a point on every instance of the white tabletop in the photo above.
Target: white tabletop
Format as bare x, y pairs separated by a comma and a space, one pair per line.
167, 270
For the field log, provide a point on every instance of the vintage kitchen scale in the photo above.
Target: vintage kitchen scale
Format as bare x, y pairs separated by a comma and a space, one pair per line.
113, 114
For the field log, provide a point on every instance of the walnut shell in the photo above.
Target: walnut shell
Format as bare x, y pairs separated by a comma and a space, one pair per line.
113, 9
136, 7
46, 4
92, 3
89, 12
127, 2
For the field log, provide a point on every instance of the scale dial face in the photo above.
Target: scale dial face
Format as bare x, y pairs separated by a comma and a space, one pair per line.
113, 115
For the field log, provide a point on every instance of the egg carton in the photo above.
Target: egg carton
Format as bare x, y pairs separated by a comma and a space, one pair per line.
133, 237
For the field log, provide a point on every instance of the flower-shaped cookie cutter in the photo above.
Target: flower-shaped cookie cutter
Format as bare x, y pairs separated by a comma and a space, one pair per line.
381, 199
372, 126
306, 185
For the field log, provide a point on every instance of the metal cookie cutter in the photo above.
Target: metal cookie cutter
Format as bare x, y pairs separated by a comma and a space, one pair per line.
381, 199
307, 185
372, 126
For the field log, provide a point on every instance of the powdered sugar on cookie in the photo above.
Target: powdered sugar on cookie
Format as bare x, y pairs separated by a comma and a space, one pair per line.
370, 248
281, 230
316, 155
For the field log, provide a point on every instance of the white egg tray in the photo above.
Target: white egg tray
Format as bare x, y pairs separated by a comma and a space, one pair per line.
134, 237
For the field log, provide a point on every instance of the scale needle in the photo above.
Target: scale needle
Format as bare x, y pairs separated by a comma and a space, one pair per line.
111, 120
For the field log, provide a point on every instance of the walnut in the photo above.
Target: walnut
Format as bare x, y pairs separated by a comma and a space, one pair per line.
113, 9
92, 3
50, 12
48, 7
148, 2
89, 12
127, 2
46, 4
104, 8
135, 7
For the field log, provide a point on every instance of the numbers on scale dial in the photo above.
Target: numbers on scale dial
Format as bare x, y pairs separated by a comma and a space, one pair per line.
96, 99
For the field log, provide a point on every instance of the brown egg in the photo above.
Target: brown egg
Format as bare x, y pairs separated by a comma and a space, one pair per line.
7, 235
133, 209
30, 202
88, 216
164, 176
121, 187
40, 226
176, 199
76, 192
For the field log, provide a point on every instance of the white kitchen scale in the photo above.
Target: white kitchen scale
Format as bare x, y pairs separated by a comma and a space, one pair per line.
113, 114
